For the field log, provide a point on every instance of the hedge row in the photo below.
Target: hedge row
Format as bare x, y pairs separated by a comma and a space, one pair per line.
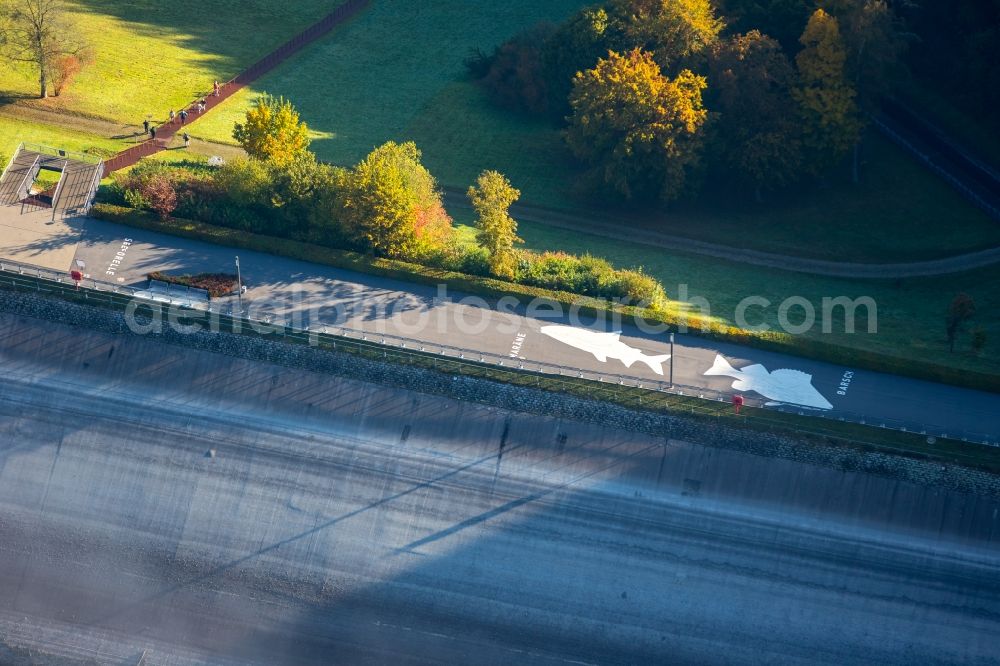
587, 306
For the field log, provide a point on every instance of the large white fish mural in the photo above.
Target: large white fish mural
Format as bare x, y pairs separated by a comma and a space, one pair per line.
604, 346
792, 387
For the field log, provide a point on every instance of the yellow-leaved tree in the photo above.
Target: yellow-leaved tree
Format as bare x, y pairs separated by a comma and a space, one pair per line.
492, 196
272, 131
673, 30
830, 124
390, 204
640, 131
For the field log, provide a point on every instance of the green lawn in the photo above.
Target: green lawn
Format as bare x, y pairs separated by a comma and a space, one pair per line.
898, 212
151, 56
396, 72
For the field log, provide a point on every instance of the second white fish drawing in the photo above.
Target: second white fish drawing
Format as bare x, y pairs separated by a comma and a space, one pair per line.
792, 387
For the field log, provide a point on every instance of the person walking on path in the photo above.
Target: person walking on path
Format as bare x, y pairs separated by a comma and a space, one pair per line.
201, 106
145, 126
152, 133
215, 88
172, 115
187, 139
184, 116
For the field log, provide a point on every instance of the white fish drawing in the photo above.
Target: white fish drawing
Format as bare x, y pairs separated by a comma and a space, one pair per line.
792, 387
604, 346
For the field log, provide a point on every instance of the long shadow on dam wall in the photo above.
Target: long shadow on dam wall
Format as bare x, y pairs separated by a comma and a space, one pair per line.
347, 522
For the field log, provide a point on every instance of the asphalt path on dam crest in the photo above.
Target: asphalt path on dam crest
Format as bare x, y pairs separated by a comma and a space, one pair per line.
314, 295
348, 523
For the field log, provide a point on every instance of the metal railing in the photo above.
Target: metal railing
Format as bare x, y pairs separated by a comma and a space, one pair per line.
59, 188
10, 162
693, 399
59, 152
25, 179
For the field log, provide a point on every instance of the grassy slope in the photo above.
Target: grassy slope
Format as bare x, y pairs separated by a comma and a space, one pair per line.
13, 131
151, 56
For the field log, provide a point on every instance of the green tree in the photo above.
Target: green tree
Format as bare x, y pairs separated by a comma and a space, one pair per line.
272, 131
673, 30
752, 83
961, 310
492, 196
40, 33
303, 193
390, 204
640, 131
830, 125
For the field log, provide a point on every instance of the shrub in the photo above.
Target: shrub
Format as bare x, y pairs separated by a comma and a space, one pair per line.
638, 287
64, 69
160, 194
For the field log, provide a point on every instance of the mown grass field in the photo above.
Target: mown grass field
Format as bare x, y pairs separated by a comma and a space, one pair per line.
151, 56
396, 72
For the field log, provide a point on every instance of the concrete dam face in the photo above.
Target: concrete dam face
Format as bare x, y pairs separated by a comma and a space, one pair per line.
200, 508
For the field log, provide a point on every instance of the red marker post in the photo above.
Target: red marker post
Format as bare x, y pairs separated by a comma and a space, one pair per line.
77, 276
737, 402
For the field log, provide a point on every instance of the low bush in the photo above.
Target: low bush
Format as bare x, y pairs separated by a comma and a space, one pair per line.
590, 276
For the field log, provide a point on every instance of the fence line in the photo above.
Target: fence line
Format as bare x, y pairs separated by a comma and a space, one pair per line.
406, 350
965, 190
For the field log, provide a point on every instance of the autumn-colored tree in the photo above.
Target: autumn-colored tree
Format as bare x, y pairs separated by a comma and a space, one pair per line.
159, 192
272, 131
752, 82
825, 98
65, 68
641, 131
961, 310
492, 196
390, 204
40, 33
673, 30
